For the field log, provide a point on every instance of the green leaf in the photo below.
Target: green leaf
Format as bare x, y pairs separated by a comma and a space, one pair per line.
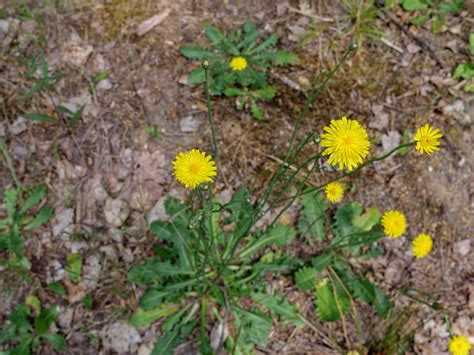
195, 52
214, 35
34, 303
197, 76
23, 348
43, 216
320, 262
280, 235
284, 58
469, 87
363, 289
344, 216
45, 319
251, 35
76, 117
279, 306
33, 199
38, 117
232, 92
57, 340
267, 93
87, 301
153, 298
164, 344
451, 7
465, 71
144, 318
10, 199
305, 278
57, 288
326, 307
420, 20
313, 215
253, 326
256, 111
267, 43
366, 221
382, 303
177, 232
471, 43
413, 5
74, 266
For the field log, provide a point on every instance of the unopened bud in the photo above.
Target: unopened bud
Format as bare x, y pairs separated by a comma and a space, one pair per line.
205, 64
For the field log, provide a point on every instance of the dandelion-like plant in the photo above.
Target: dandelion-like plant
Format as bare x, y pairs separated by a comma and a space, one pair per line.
459, 345
238, 63
194, 168
334, 192
347, 143
426, 139
394, 223
422, 245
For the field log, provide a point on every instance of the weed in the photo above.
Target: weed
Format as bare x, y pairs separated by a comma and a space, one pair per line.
239, 61
29, 327
434, 10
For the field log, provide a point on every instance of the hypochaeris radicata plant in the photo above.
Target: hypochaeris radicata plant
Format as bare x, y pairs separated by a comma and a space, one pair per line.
211, 262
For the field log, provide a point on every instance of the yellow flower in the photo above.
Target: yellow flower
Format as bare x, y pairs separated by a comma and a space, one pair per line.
334, 192
394, 223
193, 168
459, 345
422, 245
238, 63
426, 139
347, 143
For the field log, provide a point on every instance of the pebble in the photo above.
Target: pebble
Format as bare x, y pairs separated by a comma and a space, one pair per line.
463, 247
189, 124
120, 337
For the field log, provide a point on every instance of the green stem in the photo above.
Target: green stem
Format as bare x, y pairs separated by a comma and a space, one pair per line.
209, 113
317, 188
6, 155
313, 95
203, 320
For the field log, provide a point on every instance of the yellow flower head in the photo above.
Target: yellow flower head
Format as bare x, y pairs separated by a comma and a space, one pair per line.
459, 345
422, 245
347, 143
426, 139
238, 63
193, 168
394, 223
334, 192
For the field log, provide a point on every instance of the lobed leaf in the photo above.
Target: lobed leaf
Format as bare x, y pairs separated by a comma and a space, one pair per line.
195, 52
305, 278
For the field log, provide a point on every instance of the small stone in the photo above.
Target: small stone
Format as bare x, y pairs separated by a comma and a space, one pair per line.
104, 85
116, 211
189, 124
4, 25
394, 272
19, 126
152, 22
463, 247
116, 235
64, 320
413, 48
158, 212
63, 222
127, 255
109, 251
390, 141
91, 271
380, 119
120, 337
